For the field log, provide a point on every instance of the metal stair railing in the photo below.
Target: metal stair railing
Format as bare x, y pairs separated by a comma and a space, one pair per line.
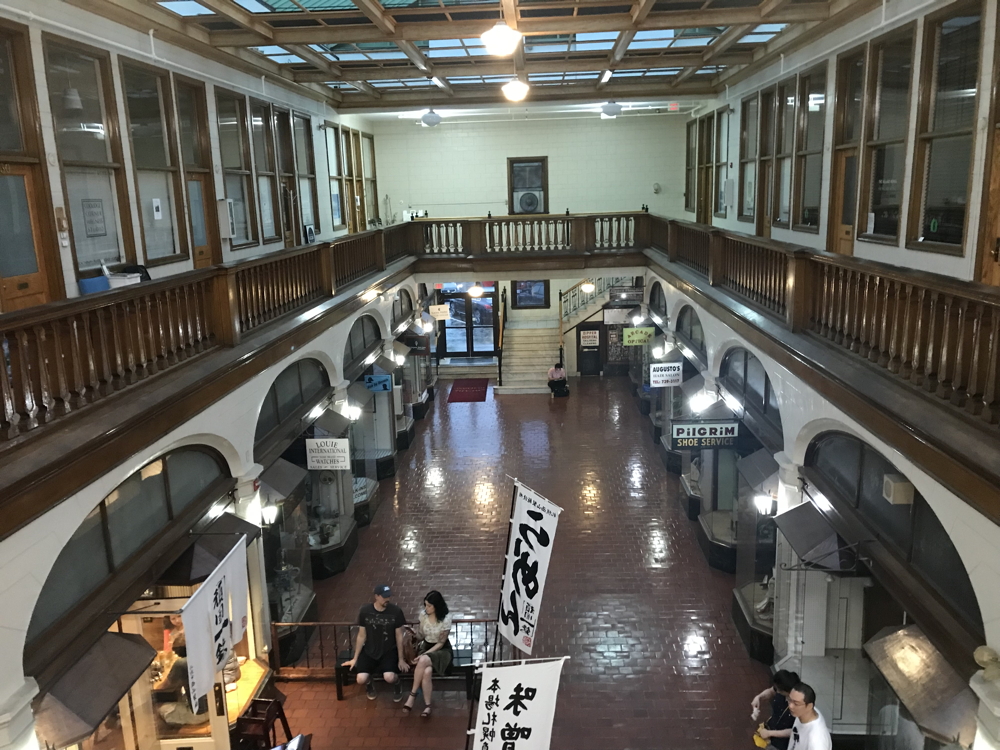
574, 300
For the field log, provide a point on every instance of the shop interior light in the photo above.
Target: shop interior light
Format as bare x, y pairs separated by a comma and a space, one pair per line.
317, 411
764, 503
515, 90
501, 40
658, 352
353, 413
427, 325
475, 291
269, 514
656, 318
637, 315
400, 360
702, 400
587, 287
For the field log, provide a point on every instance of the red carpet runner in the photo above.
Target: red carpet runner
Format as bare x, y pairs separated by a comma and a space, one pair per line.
468, 389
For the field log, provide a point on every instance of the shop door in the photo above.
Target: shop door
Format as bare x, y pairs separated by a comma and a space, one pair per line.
202, 233
588, 350
22, 274
471, 329
845, 191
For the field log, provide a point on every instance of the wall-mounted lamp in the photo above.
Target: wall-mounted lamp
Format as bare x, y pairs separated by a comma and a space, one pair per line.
269, 514
764, 503
702, 400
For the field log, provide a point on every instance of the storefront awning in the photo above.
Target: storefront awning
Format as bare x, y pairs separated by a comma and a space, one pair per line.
197, 562
386, 365
332, 423
398, 347
692, 385
760, 471
938, 699
280, 479
814, 539
718, 410
76, 705
358, 395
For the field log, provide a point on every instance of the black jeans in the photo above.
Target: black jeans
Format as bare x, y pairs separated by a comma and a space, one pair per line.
557, 385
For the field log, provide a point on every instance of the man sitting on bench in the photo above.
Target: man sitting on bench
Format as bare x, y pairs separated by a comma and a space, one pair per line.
379, 646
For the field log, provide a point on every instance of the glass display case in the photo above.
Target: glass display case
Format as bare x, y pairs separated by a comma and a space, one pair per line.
332, 528
366, 448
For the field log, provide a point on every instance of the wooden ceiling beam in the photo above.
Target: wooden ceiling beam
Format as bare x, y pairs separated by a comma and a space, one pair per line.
375, 13
641, 10
365, 88
416, 57
240, 16
725, 40
769, 7
414, 32
621, 46
509, 8
313, 57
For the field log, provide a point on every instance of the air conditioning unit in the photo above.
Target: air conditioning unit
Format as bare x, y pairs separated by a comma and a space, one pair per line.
897, 490
528, 202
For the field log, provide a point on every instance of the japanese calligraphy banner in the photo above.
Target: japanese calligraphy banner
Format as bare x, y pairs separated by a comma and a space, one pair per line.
215, 618
517, 705
533, 529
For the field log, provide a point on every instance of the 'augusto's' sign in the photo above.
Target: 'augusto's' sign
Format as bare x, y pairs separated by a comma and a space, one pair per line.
686, 435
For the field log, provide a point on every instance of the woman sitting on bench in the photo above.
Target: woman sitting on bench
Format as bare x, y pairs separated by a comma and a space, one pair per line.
433, 651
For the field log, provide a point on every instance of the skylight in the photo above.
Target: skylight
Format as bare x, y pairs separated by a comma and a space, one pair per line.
185, 8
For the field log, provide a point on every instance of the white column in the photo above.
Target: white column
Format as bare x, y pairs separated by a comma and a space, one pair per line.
17, 723
988, 719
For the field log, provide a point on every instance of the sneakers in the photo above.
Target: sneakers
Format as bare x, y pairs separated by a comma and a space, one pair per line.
370, 689
397, 691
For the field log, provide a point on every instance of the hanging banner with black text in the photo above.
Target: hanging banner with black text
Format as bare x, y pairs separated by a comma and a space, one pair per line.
533, 529
517, 705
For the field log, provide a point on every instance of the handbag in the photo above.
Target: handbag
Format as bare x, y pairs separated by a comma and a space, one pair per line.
410, 643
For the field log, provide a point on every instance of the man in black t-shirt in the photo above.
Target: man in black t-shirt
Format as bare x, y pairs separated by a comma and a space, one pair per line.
379, 645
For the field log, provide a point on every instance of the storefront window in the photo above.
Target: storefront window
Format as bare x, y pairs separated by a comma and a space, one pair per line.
689, 328
756, 534
287, 566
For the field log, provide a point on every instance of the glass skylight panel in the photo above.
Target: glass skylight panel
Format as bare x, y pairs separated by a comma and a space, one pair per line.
696, 41
271, 49
285, 59
581, 46
542, 48
386, 55
661, 34
185, 8
598, 36
253, 6
756, 38
770, 28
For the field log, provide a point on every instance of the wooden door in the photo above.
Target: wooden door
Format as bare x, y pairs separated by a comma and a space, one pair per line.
350, 212
989, 260
765, 205
22, 271
206, 250
844, 194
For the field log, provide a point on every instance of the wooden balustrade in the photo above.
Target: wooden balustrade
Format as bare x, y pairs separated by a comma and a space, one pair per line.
754, 270
691, 247
400, 240
356, 256
269, 287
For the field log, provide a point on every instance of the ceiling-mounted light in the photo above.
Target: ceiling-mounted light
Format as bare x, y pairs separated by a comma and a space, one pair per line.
72, 101
607, 76
430, 118
353, 413
515, 90
475, 291
427, 325
610, 111
702, 400
501, 40
587, 287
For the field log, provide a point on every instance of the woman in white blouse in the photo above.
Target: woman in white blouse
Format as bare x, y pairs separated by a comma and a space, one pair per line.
434, 650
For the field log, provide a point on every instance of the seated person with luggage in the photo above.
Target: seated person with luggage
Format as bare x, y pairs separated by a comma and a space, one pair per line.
557, 380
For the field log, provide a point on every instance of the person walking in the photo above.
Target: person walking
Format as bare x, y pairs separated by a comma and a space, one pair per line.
379, 645
434, 650
777, 728
809, 732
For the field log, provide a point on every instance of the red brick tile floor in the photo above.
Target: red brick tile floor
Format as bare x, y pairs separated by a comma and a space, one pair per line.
656, 661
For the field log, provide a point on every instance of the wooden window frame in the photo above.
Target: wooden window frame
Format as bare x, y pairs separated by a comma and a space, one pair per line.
706, 165
781, 95
691, 133
745, 159
766, 147
514, 303
117, 164
247, 170
32, 154
511, 161
925, 137
304, 174
172, 137
339, 177
801, 149
269, 169
872, 106
722, 114
373, 179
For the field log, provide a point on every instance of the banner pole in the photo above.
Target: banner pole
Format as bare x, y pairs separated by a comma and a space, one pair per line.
503, 577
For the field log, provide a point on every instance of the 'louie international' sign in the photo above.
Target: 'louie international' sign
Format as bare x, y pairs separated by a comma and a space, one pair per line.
690, 435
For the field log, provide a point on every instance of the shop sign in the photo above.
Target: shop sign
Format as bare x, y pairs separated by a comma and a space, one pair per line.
615, 316
692, 434
637, 336
215, 617
517, 706
533, 529
664, 374
440, 312
380, 383
331, 454
590, 338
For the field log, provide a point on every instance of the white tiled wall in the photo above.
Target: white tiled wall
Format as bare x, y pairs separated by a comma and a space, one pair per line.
460, 169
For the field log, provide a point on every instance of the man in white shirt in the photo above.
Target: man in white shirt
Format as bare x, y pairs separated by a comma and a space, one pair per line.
809, 732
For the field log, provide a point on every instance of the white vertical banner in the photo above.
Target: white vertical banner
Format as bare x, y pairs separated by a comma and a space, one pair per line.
215, 618
517, 705
533, 529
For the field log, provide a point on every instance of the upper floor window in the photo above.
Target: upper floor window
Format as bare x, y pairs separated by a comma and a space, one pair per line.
265, 168
721, 160
691, 166
784, 142
809, 149
689, 328
885, 145
335, 167
748, 158
402, 307
368, 170
943, 159
744, 376
657, 299
299, 383
234, 143
305, 170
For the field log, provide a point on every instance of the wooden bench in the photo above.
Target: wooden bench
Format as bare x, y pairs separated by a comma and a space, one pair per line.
462, 668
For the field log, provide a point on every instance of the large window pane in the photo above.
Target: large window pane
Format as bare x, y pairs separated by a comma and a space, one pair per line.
289, 392
784, 212
286, 157
332, 150
838, 459
956, 73
80, 568
76, 98
261, 123
306, 200
236, 189
887, 186
18, 257
303, 145
894, 522
338, 216
196, 199
853, 90
265, 188
189, 473
893, 89
93, 211
159, 216
190, 125
812, 184
230, 128
10, 123
814, 95
368, 156
947, 180
749, 187
137, 509
750, 128
144, 100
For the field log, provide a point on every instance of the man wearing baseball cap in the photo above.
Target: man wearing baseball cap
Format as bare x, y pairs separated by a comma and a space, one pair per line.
379, 645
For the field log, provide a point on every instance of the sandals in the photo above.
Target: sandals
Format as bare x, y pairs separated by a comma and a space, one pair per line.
426, 712
407, 709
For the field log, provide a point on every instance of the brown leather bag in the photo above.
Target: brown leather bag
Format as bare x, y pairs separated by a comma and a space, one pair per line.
410, 642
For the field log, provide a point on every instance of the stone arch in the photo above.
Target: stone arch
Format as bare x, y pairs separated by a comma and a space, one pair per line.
308, 375
658, 299
363, 332
688, 323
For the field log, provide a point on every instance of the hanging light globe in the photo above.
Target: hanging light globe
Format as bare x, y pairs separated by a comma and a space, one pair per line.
515, 90
501, 40
587, 287
431, 118
475, 291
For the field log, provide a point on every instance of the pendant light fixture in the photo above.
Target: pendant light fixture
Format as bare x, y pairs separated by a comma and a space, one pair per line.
431, 118
475, 290
515, 90
587, 287
501, 40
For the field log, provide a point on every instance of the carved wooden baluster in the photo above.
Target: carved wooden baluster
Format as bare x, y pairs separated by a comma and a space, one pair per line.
139, 336
114, 341
77, 356
187, 293
973, 401
823, 301
877, 314
905, 350
850, 303
830, 317
893, 317
10, 423
102, 347
942, 386
989, 411
170, 320
37, 353
954, 391
124, 317
56, 366
920, 320
24, 386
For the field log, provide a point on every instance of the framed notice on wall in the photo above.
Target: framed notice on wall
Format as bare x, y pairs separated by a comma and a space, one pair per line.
590, 338
94, 223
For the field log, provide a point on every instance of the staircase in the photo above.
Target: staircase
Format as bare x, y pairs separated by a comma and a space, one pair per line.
471, 367
528, 353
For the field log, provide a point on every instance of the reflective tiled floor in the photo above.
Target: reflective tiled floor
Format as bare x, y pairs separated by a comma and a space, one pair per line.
655, 659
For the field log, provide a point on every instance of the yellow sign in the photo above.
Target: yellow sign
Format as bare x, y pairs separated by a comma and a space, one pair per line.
637, 336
